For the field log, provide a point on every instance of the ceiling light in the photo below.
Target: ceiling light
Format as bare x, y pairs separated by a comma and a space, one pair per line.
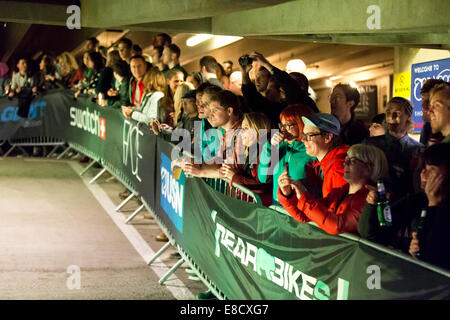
329, 83
199, 38
295, 65
353, 84
221, 41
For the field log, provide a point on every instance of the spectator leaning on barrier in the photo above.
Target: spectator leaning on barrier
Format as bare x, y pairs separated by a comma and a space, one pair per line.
321, 138
254, 126
94, 66
225, 113
157, 126
182, 89
433, 239
119, 95
440, 110
107, 80
340, 211
155, 86
207, 142
46, 77
185, 126
285, 148
22, 79
404, 209
138, 68
343, 100
427, 137
68, 72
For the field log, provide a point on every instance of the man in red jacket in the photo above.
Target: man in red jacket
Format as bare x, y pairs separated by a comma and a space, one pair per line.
321, 138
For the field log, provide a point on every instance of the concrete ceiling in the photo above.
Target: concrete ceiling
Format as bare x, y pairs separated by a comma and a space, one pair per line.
300, 24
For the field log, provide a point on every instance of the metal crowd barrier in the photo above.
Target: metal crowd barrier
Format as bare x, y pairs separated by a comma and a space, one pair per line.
223, 186
235, 190
34, 142
376, 246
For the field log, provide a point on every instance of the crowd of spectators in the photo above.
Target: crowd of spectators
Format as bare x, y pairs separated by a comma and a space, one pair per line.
266, 133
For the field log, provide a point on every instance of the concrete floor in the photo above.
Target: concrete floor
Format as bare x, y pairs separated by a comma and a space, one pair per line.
53, 222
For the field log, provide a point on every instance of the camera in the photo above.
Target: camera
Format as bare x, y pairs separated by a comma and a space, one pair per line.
245, 60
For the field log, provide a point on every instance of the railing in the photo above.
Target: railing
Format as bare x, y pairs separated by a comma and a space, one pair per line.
34, 142
234, 191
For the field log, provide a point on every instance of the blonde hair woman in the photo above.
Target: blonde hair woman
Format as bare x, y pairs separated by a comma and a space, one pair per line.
154, 88
69, 71
182, 89
246, 174
340, 211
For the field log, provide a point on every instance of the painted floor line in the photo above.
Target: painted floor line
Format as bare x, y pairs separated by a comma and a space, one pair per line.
175, 286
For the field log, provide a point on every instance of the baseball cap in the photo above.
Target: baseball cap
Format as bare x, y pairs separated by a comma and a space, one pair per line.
189, 95
324, 121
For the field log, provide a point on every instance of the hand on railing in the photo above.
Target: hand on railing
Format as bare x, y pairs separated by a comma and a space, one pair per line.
227, 171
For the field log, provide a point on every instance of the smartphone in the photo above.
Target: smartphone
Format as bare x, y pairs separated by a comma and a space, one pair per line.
286, 167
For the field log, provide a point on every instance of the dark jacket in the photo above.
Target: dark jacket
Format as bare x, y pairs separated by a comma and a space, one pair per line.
354, 132
434, 239
258, 103
403, 210
294, 94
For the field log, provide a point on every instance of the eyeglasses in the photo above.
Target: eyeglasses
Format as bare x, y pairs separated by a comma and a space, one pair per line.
286, 126
352, 161
308, 136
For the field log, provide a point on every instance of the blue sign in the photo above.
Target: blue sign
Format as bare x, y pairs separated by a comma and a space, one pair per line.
421, 72
172, 193
9, 113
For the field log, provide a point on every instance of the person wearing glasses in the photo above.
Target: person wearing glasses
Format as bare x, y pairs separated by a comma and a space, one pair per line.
285, 149
321, 138
340, 211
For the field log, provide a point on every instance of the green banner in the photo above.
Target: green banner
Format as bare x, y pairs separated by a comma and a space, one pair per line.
248, 251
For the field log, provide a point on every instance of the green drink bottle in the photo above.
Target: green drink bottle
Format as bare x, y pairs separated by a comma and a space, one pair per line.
383, 208
420, 225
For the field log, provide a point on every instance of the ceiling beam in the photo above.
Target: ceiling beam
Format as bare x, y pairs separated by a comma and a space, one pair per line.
202, 25
101, 13
33, 13
314, 17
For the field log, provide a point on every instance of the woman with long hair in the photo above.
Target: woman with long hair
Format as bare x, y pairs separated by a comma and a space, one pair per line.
68, 72
94, 64
254, 129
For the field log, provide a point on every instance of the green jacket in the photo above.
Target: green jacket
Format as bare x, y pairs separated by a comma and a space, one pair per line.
295, 155
122, 98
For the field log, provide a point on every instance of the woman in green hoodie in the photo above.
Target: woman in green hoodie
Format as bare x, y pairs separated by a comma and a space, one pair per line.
285, 148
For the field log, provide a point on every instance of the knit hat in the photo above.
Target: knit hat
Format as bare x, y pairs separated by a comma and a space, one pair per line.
324, 121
